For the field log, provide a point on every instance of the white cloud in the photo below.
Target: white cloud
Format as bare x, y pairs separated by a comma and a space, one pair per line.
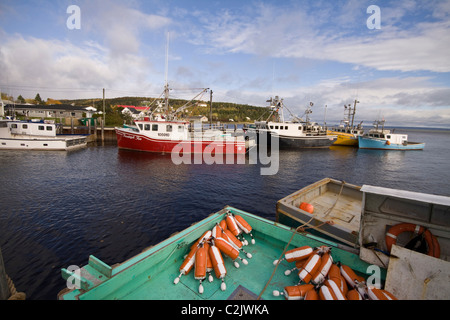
104, 53
282, 32
60, 68
119, 24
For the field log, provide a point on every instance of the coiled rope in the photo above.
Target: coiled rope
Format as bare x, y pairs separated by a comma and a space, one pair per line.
12, 289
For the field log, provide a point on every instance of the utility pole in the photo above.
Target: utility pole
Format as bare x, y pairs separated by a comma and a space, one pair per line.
104, 117
210, 109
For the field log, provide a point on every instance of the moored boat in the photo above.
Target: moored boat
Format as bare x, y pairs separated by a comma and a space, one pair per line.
406, 232
166, 272
294, 134
336, 209
347, 133
175, 136
37, 135
385, 140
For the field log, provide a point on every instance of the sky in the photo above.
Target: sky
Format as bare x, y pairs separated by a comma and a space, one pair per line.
391, 56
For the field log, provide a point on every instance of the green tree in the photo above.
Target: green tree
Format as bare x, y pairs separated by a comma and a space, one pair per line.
38, 99
20, 99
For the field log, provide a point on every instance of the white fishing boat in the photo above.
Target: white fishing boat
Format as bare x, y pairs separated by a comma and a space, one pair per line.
36, 135
293, 134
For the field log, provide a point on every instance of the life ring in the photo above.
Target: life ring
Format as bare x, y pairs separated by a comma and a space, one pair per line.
392, 234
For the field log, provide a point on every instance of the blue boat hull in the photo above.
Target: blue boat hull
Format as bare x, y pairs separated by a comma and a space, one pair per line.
373, 143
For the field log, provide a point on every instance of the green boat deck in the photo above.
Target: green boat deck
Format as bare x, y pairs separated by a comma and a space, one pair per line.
150, 275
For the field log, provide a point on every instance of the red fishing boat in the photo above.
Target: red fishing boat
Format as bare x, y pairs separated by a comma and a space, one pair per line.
168, 134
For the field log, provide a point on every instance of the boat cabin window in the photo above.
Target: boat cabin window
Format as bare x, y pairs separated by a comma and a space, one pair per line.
49, 128
14, 126
154, 127
180, 128
300, 128
276, 127
41, 128
271, 127
147, 127
169, 128
24, 126
388, 136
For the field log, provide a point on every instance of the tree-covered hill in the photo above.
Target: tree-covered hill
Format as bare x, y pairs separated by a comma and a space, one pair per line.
221, 111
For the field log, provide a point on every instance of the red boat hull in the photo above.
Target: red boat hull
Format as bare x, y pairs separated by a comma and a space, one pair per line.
139, 142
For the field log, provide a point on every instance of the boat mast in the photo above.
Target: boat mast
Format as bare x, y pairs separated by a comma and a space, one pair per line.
166, 84
354, 111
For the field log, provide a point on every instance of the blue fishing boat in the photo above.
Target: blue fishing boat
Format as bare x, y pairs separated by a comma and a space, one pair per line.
386, 140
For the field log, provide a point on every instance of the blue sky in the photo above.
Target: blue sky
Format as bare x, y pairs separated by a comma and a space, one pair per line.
245, 51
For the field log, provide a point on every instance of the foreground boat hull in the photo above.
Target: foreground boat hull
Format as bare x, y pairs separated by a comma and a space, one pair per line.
382, 144
129, 140
150, 275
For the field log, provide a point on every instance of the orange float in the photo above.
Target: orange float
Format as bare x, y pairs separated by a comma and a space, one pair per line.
307, 207
310, 268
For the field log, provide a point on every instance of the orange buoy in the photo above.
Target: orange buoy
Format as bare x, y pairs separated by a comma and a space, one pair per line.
232, 225
296, 254
297, 292
235, 242
244, 226
324, 268
335, 274
223, 224
216, 231
200, 266
354, 295
330, 283
227, 248
298, 265
218, 265
205, 236
326, 293
341, 283
350, 276
209, 266
310, 268
187, 264
379, 294
307, 207
312, 295
334, 271
228, 235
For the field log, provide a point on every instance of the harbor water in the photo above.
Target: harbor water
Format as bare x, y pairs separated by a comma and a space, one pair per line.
57, 208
